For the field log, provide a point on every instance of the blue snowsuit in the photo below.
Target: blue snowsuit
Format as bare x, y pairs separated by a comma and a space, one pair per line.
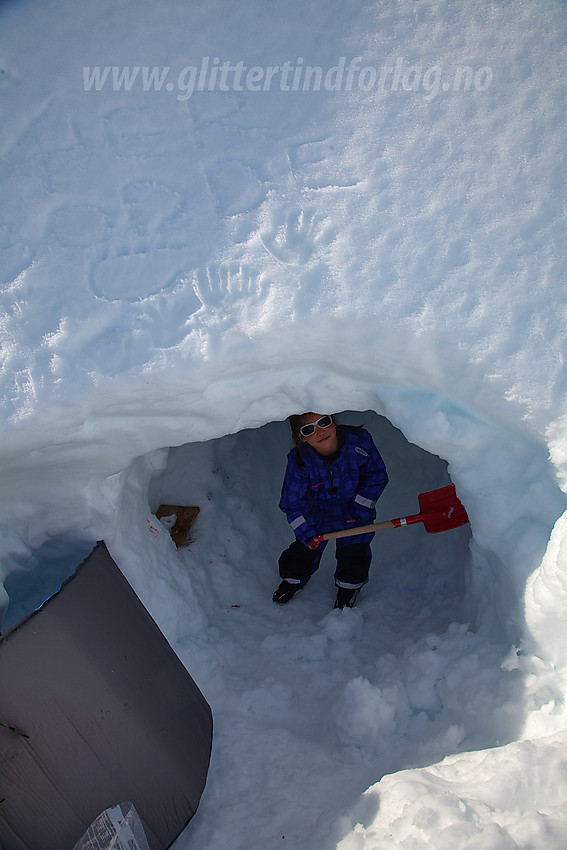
320, 495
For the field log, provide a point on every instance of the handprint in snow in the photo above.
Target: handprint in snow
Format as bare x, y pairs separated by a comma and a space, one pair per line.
294, 240
214, 284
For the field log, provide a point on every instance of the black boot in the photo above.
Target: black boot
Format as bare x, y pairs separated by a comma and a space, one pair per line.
346, 597
285, 591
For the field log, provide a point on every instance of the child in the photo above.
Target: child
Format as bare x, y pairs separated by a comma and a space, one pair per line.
333, 479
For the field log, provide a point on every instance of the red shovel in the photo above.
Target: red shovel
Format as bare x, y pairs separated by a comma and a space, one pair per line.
440, 510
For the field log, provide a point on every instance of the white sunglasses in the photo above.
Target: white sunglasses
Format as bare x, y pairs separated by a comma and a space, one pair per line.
323, 422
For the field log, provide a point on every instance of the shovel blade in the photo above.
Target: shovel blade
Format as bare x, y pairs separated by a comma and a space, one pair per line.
442, 510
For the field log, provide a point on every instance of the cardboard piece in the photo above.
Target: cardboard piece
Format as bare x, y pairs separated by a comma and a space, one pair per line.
96, 709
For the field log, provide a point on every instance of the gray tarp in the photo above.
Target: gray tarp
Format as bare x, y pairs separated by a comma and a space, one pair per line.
110, 713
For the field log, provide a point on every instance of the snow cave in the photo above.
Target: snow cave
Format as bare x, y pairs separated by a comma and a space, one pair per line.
423, 659
216, 215
423, 587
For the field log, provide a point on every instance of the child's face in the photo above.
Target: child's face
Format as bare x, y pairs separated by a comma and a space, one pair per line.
323, 440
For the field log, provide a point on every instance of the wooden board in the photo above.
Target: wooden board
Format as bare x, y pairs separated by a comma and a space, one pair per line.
185, 517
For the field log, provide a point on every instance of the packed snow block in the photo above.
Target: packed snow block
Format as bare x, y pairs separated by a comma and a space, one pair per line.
96, 709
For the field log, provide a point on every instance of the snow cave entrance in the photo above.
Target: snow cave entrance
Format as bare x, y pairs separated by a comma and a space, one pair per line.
410, 675
411, 663
236, 482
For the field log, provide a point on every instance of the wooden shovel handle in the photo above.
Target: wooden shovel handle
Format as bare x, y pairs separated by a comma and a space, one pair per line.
350, 532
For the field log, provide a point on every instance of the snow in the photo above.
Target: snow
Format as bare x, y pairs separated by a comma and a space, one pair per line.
183, 265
